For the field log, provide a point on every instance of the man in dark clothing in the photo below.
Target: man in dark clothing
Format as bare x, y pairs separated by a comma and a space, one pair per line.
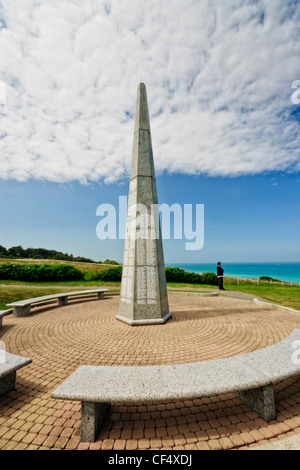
220, 272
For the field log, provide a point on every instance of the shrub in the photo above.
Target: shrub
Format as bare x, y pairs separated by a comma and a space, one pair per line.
181, 276
63, 272
109, 275
172, 275
210, 278
40, 273
268, 278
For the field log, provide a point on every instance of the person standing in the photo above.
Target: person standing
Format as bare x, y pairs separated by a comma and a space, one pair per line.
220, 273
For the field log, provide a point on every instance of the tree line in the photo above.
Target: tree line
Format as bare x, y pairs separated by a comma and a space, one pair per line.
40, 253
43, 253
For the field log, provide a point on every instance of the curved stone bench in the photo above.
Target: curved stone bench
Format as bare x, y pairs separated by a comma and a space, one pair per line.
22, 308
2, 314
251, 376
9, 364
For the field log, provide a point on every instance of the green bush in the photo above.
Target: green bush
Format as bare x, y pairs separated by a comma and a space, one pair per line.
181, 276
210, 278
172, 275
40, 273
109, 275
268, 278
63, 272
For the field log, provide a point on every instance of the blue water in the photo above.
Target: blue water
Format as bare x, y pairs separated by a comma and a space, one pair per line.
288, 272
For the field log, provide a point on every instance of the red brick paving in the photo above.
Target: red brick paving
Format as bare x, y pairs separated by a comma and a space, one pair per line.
58, 340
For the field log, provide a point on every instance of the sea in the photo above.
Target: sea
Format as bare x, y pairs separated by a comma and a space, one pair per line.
287, 272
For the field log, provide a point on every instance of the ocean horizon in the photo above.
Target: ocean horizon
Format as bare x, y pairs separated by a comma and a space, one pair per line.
283, 271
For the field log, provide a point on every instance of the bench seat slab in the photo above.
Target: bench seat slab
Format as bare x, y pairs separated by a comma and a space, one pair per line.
261, 400
2, 314
22, 307
250, 376
9, 364
92, 416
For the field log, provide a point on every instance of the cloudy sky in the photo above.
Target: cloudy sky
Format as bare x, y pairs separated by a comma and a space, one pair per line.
219, 77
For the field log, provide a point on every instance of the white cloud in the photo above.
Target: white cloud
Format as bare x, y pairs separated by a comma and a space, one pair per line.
219, 78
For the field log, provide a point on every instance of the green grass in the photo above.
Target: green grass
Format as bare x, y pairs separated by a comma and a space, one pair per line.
286, 295
13, 294
191, 286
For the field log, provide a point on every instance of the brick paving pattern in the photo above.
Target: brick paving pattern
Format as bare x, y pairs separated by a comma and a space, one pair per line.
58, 340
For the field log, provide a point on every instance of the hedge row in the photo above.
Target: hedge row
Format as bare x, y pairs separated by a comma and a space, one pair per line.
181, 276
172, 275
40, 273
62, 272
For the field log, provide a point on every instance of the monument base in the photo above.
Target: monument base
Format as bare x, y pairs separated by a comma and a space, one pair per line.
145, 321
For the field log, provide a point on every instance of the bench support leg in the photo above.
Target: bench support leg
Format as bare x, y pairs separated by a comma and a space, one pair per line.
62, 301
100, 295
261, 400
22, 311
92, 416
8, 383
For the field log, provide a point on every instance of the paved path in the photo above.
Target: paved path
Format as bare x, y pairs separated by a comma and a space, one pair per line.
86, 332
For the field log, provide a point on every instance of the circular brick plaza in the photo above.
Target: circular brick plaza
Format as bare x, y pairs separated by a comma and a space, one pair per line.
59, 339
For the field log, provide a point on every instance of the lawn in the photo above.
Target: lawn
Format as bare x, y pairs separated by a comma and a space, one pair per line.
288, 296
12, 294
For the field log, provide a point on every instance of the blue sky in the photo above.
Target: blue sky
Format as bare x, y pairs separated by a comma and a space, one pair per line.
220, 77
247, 219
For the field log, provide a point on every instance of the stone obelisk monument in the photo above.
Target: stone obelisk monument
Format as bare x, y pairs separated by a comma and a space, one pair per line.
144, 298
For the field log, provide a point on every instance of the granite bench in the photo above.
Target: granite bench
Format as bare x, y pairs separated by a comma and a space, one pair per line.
22, 308
2, 314
9, 364
250, 376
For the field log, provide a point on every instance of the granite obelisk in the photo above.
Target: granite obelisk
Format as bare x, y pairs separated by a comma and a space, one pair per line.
143, 298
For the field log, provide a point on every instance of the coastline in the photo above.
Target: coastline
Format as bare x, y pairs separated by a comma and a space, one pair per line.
281, 272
